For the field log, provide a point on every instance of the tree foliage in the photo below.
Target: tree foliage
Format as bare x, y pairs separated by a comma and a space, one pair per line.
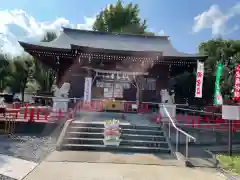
24, 73
4, 70
20, 73
49, 36
222, 51
226, 52
121, 19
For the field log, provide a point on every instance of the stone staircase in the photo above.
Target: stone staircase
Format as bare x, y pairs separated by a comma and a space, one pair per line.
140, 139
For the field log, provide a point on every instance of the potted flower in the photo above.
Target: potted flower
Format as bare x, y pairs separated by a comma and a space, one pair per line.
111, 124
2, 106
111, 133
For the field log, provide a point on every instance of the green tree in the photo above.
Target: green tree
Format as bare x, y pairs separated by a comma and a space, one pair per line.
20, 73
218, 50
4, 70
222, 51
49, 36
121, 19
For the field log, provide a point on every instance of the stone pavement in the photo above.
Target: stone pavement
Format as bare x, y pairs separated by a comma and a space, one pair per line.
116, 158
107, 171
14, 167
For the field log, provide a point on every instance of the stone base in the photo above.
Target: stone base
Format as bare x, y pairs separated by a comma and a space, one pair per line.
171, 108
60, 104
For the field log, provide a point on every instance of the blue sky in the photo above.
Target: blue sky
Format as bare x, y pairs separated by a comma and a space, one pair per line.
174, 17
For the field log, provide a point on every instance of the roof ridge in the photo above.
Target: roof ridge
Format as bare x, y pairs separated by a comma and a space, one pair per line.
66, 30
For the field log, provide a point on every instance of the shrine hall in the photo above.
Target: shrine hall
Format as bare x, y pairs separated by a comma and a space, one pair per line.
120, 66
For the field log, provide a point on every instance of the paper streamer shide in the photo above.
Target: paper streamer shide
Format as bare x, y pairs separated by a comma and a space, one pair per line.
199, 79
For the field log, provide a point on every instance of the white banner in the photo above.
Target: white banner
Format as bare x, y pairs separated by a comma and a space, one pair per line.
199, 79
88, 89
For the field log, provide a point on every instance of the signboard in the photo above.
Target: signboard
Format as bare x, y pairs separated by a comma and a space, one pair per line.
231, 112
199, 79
88, 89
236, 94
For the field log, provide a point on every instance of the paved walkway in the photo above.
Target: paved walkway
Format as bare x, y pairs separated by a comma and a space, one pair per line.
107, 171
14, 167
115, 158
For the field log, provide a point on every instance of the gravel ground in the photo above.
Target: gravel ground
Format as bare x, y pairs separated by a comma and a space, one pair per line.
28, 147
31, 148
2, 177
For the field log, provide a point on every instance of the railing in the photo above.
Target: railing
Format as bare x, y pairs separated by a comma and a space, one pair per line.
188, 136
205, 120
198, 111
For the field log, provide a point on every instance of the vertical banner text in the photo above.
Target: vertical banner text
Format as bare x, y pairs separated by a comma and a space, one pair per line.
88, 89
199, 79
236, 95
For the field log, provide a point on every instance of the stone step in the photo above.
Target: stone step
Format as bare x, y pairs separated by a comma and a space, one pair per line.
97, 141
144, 143
123, 130
122, 125
123, 136
126, 149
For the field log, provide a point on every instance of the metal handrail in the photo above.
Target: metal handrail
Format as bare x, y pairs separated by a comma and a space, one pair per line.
188, 136
200, 111
177, 128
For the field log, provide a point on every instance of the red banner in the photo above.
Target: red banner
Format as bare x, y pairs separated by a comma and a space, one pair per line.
199, 80
236, 95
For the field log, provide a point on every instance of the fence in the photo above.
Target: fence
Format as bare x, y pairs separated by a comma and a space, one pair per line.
185, 117
9, 124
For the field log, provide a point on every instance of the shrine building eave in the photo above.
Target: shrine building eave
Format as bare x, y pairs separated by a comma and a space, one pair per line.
110, 52
38, 50
110, 42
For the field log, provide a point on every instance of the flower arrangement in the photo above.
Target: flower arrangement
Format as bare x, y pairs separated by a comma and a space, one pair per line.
2, 106
2, 103
111, 133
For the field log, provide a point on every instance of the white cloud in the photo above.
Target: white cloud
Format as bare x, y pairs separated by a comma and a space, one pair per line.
18, 25
216, 20
160, 33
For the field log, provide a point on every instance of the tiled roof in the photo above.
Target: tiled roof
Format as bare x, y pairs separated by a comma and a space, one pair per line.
111, 41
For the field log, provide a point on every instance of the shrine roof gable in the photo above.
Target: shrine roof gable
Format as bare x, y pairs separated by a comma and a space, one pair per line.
112, 41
